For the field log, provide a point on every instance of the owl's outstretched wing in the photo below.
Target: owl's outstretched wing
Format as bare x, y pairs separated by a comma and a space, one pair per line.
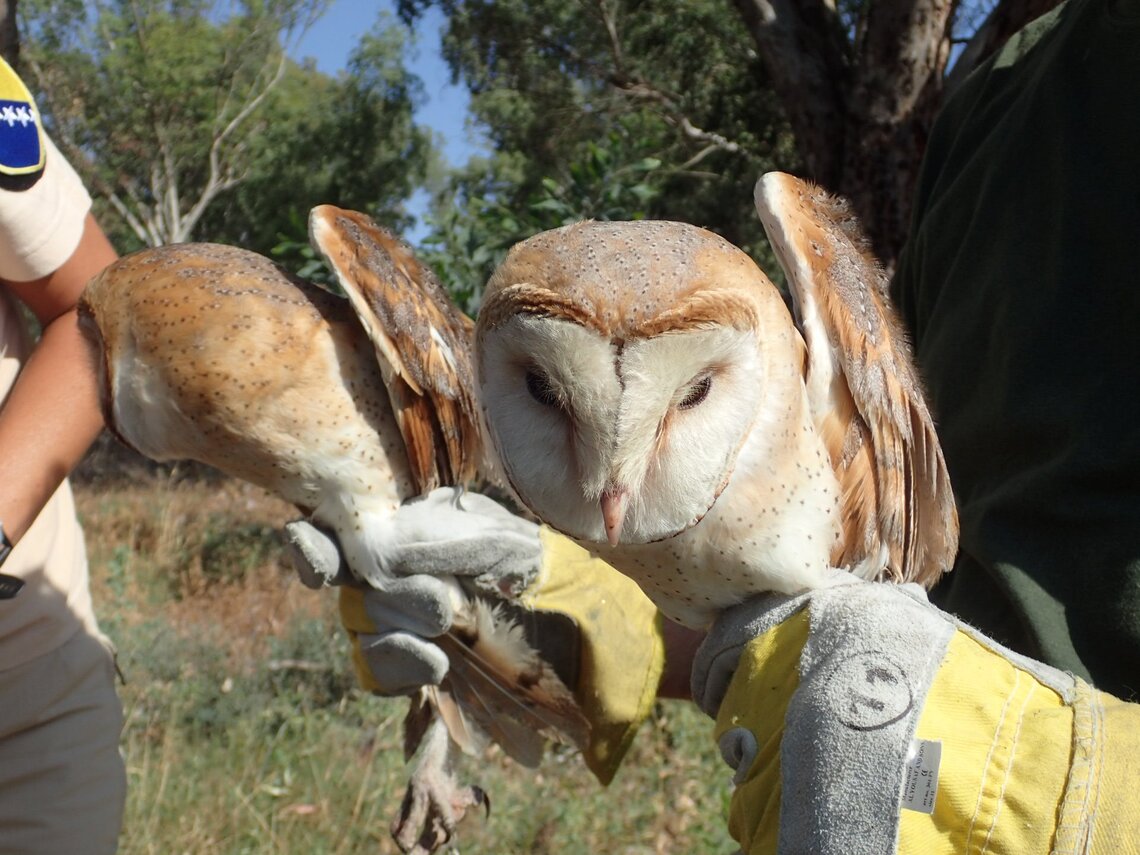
422, 339
897, 504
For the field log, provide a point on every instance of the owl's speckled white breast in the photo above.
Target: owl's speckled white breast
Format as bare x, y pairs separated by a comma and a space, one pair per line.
771, 529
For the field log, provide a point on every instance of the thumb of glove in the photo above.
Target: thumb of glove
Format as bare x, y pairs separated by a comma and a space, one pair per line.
315, 556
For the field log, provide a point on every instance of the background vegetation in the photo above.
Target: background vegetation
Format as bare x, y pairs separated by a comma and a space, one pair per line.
245, 732
187, 119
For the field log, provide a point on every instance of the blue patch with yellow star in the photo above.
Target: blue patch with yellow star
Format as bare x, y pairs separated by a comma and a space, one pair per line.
21, 138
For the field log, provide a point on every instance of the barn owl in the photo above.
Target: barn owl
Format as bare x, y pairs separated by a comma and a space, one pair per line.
650, 395
345, 407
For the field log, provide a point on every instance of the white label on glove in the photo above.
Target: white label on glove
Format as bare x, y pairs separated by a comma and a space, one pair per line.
920, 775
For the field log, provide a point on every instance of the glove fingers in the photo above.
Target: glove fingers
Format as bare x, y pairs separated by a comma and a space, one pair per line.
444, 533
419, 604
315, 556
400, 663
477, 503
461, 515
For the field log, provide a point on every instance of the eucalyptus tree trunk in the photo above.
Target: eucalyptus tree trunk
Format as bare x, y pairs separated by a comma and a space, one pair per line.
861, 95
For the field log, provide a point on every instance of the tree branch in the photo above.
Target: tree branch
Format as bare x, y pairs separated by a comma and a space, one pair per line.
216, 182
807, 58
635, 86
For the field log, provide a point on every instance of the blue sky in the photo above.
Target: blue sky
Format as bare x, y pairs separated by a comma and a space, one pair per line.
444, 110
333, 37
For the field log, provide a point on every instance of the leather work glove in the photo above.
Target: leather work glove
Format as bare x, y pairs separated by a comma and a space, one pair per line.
441, 534
597, 629
860, 719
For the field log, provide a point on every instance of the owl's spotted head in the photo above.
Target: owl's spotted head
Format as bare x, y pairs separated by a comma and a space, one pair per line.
621, 367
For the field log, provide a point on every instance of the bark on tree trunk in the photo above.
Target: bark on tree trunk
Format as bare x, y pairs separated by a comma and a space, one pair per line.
806, 55
860, 109
900, 62
861, 104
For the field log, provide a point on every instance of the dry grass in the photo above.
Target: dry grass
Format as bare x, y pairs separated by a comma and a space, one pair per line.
245, 732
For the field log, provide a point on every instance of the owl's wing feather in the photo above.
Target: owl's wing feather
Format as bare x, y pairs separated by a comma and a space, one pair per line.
441, 701
897, 503
488, 652
423, 342
496, 684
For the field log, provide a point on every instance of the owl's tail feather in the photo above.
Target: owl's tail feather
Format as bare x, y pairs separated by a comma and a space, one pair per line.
433, 703
513, 695
497, 686
521, 743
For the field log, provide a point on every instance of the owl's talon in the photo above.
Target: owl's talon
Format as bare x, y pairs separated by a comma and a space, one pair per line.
434, 803
482, 798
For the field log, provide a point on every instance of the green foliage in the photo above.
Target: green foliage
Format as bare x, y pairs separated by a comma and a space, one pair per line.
231, 552
613, 110
610, 181
151, 99
598, 188
349, 141
271, 759
295, 252
188, 122
549, 79
307, 670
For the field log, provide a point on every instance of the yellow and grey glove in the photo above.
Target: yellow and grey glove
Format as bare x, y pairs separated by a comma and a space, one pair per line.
441, 534
597, 629
860, 719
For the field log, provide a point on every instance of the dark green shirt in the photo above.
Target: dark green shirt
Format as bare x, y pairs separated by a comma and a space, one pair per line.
1021, 284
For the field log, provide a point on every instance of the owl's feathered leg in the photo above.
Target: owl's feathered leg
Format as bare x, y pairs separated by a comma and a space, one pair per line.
434, 802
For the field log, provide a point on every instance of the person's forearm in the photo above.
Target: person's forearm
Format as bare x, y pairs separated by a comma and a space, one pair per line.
680, 647
51, 415
47, 423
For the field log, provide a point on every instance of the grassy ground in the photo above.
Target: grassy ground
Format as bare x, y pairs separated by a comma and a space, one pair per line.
245, 732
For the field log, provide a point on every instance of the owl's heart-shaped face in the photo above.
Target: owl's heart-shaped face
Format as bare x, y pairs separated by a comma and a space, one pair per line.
625, 440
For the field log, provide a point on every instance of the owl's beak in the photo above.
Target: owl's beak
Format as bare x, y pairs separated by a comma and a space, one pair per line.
614, 502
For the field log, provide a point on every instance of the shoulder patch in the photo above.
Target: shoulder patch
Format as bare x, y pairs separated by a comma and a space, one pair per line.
21, 138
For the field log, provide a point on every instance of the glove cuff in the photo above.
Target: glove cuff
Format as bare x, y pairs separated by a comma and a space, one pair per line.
846, 678
719, 654
622, 648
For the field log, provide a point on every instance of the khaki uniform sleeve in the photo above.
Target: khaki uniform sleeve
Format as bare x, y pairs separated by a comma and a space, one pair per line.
40, 226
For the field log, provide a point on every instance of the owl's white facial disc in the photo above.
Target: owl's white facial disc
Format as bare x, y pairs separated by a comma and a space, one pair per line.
549, 394
574, 414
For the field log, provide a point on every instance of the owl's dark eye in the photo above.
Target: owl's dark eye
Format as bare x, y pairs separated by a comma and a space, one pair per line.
540, 388
697, 393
